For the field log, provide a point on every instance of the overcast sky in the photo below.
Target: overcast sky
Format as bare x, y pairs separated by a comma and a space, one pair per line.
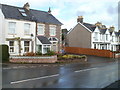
67, 11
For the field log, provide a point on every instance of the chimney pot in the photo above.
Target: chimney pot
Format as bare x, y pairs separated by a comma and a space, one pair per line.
49, 11
27, 6
80, 19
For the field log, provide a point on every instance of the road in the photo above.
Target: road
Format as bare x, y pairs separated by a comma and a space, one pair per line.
97, 73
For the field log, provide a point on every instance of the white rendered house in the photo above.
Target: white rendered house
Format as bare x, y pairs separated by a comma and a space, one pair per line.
26, 30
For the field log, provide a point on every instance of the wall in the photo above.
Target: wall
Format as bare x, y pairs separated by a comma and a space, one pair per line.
27, 59
58, 34
2, 31
79, 37
20, 33
87, 51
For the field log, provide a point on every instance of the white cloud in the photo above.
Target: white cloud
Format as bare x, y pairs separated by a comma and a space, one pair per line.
56, 12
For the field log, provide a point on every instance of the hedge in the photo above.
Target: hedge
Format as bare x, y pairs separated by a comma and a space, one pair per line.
4, 53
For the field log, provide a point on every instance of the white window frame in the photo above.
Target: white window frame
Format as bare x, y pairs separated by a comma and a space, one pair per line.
12, 47
12, 29
27, 46
42, 28
52, 30
96, 36
106, 37
27, 29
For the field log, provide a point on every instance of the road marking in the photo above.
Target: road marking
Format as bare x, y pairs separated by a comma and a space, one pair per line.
6, 68
20, 81
85, 70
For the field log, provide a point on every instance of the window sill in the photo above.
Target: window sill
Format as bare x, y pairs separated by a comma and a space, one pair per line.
12, 34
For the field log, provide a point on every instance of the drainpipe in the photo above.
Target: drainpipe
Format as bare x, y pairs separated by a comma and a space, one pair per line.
35, 36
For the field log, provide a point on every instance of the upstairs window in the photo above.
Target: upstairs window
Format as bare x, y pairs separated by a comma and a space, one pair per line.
96, 36
12, 26
52, 30
106, 37
41, 30
27, 29
112, 38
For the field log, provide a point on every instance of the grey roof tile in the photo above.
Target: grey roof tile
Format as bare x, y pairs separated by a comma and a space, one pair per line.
12, 12
43, 40
90, 26
102, 31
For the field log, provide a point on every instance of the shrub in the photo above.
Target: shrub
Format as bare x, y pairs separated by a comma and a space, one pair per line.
38, 53
73, 56
29, 54
50, 53
4, 53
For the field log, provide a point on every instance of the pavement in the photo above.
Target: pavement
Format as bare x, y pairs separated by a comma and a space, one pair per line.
99, 72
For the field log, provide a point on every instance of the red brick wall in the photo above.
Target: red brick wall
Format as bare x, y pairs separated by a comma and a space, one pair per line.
53, 59
87, 51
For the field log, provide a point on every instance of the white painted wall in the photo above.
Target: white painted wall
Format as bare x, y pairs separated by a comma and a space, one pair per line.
20, 33
2, 30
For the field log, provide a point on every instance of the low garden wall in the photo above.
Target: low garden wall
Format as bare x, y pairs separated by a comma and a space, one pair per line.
117, 55
33, 59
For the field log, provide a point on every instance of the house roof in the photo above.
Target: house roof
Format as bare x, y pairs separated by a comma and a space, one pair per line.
43, 40
102, 31
117, 33
12, 12
45, 17
90, 26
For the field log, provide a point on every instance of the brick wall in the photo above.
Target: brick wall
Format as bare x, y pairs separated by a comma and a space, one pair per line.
51, 59
87, 51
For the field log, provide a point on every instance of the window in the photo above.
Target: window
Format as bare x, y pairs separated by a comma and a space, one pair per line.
26, 46
12, 26
40, 30
96, 36
46, 48
52, 30
22, 11
116, 39
52, 39
100, 36
27, 28
11, 46
112, 38
107, 37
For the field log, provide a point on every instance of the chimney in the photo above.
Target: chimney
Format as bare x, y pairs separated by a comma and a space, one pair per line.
80, 19
26, 6
49, 11
112, 28
99, 24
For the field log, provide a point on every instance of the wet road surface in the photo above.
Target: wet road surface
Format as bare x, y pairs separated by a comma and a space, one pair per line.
97, 73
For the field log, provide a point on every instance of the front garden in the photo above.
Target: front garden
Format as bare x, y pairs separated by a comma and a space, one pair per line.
49, 57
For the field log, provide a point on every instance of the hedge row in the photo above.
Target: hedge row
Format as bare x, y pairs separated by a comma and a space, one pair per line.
4, 53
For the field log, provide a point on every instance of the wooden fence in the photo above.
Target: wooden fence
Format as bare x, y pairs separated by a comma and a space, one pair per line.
87, 51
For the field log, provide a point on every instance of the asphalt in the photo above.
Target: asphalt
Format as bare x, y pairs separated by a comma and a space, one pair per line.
97, 73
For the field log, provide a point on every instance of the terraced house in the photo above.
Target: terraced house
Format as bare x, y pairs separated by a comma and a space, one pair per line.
94, 36
28, 30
